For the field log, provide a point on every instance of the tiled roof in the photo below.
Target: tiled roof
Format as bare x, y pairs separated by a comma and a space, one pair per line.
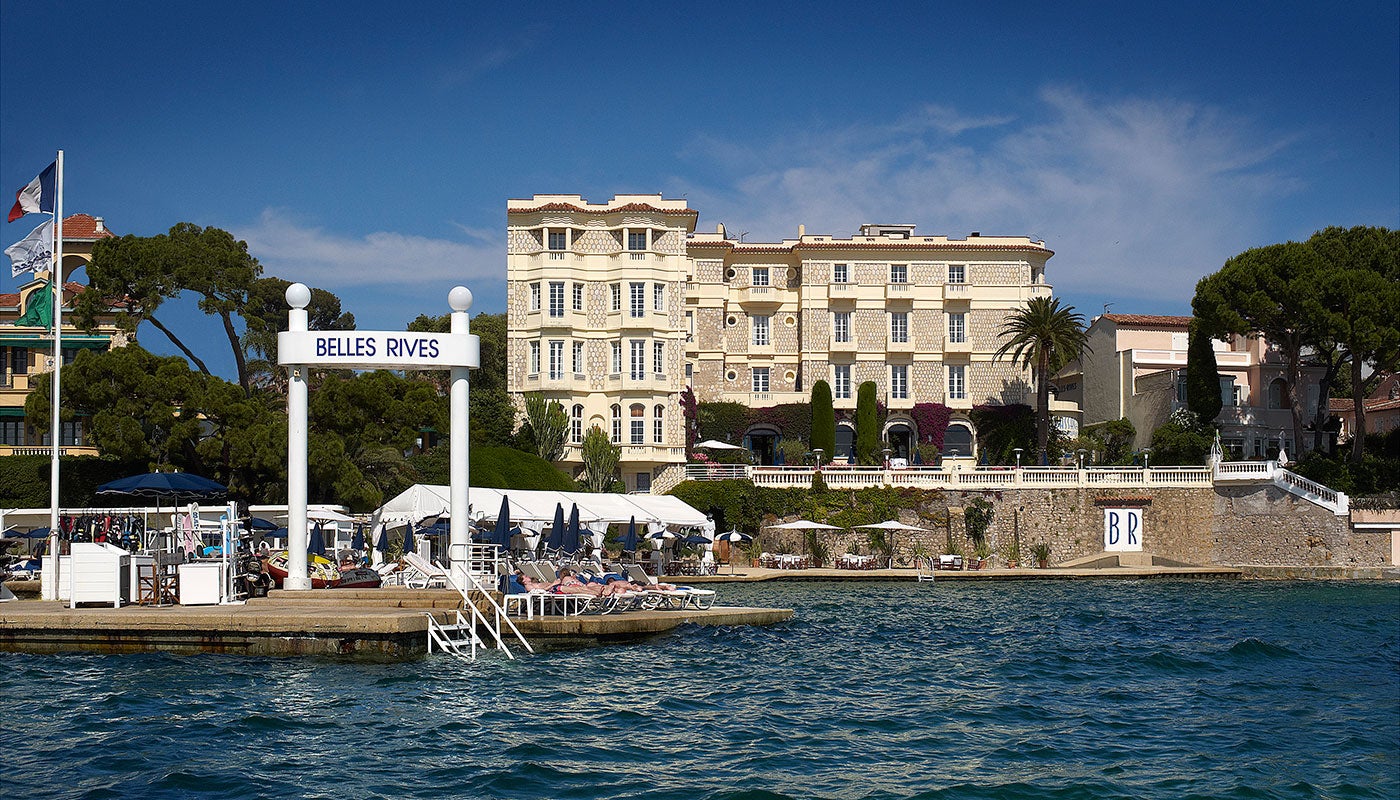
11, 299
1149, 320
83, 226
1345, 405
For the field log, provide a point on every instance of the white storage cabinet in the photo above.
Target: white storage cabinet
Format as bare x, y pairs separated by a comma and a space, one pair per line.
101, 573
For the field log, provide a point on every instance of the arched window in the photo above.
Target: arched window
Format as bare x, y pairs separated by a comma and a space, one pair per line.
616, 424
1278, 394
637, 414
658, 423
576, 425
957, 440
845, 440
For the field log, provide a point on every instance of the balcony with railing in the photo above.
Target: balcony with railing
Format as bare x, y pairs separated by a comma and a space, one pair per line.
760, 297
957, 293
899, 292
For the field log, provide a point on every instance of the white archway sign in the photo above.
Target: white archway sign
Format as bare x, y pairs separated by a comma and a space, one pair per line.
298, 348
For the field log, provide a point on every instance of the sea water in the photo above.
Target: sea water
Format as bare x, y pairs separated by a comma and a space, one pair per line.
1089, 689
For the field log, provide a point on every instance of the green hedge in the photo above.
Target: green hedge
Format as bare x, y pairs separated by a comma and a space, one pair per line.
749, 507
494, 468
24, 480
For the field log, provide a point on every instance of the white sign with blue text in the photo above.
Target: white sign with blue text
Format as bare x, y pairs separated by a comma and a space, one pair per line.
1122, 529
379, 349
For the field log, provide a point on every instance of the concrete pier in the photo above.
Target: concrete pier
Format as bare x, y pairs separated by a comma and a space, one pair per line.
380, 624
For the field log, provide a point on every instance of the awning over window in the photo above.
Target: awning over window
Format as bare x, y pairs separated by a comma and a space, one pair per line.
30, 340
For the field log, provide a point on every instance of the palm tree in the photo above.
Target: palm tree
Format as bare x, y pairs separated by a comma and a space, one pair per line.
1045, 337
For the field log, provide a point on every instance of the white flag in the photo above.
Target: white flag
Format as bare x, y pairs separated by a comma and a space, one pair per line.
34, 251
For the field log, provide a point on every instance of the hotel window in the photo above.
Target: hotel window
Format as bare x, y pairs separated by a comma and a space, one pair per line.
899, 381
760, 380
899, 273
19, 361
658, 424
70, 434
578, 296
617, 297
534, 297
957, 381
957, 327
899, 326
578, 358
760, 276
616, 424
637, 240
841, 381
658, 357
558, 238
690, 326
556, 299
576, 425
658, 297
760, 331
841, 273
637, 293
957, 273
616, 358
556, 359
638, 423
639, 359
534, 358
841, 326
12, 431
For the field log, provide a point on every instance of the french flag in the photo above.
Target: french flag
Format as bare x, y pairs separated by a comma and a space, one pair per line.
37, 196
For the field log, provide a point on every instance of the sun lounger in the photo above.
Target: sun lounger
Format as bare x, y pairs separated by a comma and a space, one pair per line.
419, 573
680, 598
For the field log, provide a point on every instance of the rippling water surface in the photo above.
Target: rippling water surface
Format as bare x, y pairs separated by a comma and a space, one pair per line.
874, 690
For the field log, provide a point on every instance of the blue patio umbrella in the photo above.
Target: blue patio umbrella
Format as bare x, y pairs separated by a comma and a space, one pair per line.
178, 485
556, 534
501, 533
696, 538
629, 539
357, 542
260, 524
37, 533
316, 543
572, 532
408, 539
383, 544
780, 460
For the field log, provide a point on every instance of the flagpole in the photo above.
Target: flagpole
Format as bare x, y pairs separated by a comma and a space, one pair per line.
50, 588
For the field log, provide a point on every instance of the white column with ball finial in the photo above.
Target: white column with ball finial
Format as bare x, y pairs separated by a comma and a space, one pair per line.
298, 297
459, 465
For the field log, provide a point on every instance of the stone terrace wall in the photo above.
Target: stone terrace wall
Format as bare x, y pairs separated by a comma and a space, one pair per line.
1264, 525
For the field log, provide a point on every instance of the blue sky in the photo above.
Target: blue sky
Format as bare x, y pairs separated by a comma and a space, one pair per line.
369, 148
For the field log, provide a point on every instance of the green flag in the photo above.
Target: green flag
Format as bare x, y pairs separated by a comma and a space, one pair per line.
38, 310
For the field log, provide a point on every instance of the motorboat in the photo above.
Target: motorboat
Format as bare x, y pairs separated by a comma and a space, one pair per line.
359, 578
321, 570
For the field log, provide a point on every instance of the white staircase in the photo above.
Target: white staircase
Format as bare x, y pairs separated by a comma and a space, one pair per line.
462, 638
458, 639
1293, 483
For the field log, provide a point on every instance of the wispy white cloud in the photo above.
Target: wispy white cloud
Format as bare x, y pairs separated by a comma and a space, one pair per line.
293, 250
1138, 197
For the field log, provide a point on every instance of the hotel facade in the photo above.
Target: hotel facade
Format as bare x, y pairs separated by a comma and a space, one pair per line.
614, 308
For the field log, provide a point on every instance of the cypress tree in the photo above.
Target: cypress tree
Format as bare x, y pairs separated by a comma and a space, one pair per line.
867, 424
1202, 377
823, 420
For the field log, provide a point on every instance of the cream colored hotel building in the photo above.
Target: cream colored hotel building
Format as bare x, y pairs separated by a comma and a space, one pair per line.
615, 307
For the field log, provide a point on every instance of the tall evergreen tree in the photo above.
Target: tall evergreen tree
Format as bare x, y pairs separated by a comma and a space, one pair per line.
867, 424
823, 419
1202, 377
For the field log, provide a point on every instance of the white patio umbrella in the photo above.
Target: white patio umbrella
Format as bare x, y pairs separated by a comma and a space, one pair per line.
803, 525
892, 525
715, 444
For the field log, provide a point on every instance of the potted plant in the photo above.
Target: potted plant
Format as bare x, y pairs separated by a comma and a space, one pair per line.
1040, 551
1013, 558
983, 551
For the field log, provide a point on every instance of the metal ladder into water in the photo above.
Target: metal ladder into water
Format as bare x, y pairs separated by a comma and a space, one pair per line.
462, 637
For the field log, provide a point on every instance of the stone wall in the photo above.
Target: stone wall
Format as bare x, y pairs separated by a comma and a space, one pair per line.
1226, 526
1262, 524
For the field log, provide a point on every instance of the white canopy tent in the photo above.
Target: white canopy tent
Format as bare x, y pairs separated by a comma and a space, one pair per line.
421, 501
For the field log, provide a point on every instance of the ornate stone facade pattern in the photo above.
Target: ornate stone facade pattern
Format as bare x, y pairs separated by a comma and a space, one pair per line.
524, 242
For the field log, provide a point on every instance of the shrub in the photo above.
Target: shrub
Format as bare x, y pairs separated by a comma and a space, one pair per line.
867, 424
823, 419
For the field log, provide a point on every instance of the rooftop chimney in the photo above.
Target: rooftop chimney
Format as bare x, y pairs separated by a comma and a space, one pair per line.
100, 226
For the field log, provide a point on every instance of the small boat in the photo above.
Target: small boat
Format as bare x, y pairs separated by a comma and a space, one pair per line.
322, 570
359, 578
